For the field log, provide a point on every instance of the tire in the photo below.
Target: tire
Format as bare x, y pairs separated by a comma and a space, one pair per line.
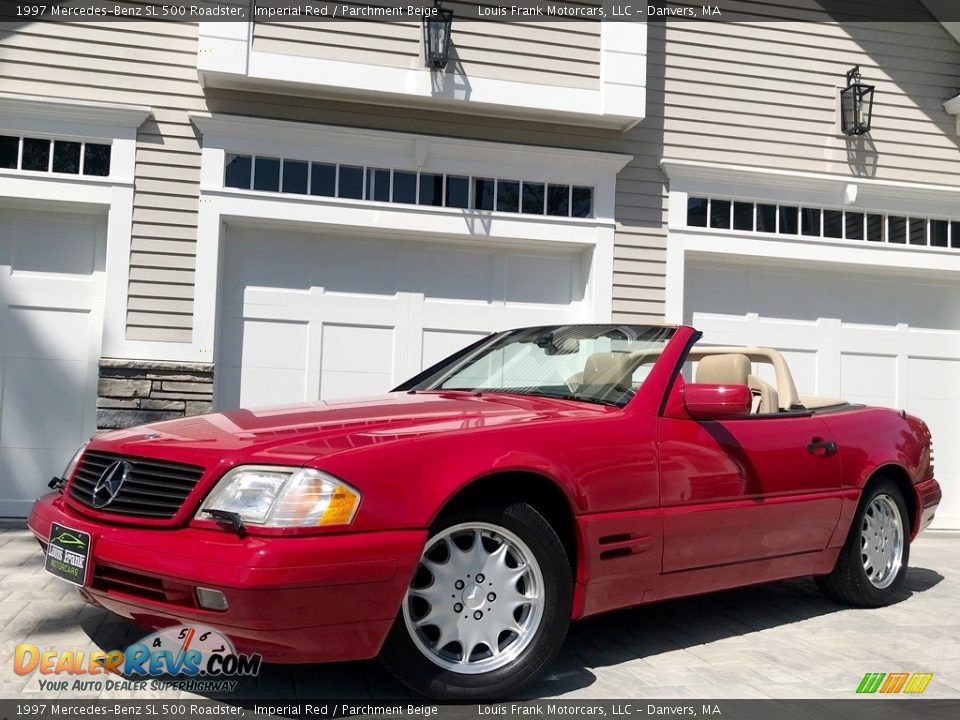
863, 576
520, 562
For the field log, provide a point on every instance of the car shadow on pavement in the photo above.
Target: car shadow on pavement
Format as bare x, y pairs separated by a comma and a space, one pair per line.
651, 633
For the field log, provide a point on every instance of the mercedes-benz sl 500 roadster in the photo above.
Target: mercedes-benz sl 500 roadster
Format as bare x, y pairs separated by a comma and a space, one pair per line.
455, 526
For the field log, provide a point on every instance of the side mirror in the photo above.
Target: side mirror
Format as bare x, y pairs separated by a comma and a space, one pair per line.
713, 402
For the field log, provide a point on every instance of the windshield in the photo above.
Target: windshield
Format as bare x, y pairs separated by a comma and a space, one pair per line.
591, 363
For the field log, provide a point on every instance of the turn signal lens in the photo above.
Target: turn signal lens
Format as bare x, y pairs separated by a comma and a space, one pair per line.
277, 496
314, 498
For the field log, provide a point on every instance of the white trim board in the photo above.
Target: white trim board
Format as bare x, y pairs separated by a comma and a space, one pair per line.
226, 58
71, 118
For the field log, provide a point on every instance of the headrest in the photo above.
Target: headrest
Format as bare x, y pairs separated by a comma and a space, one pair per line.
729, 369
606, 368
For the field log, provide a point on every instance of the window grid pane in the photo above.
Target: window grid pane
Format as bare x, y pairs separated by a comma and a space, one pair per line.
295, 175
811, 220
558, 200
720, 213
66, 157
9, 152
742, 215
386, 185
508, 196
533, 198
36, 154
581, 202
458, 192
96, 159
323, 179
697, 212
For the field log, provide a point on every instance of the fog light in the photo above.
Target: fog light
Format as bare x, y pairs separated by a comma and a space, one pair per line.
211, 599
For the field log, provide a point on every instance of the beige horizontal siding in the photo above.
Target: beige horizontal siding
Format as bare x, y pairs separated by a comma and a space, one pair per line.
551, 53
765, 94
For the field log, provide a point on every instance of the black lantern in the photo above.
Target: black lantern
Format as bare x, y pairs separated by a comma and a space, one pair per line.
436, 36
856, 105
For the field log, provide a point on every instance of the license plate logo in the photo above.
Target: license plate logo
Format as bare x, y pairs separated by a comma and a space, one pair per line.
68, 554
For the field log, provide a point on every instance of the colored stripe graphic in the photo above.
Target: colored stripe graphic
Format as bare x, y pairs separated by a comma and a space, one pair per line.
918, 682
870, 682
894, 682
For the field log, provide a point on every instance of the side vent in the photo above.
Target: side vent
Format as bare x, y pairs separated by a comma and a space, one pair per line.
623, 544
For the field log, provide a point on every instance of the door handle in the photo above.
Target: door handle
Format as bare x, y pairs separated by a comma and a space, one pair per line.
819, 446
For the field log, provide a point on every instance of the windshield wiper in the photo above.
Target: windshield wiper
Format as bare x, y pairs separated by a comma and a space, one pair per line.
579, 398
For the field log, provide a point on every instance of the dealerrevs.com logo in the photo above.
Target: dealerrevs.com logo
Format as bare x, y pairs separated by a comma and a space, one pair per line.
197, 658
911, 683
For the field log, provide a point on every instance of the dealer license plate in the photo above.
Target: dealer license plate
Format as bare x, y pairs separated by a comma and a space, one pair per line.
68, 554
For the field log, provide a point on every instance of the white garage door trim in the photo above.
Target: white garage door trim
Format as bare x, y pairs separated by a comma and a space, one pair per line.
220, 205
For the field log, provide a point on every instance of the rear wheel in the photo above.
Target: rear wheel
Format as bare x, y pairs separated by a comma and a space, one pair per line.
487, 609
872, 565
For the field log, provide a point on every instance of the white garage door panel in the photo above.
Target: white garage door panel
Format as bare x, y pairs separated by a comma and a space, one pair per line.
356, 360
889, 340
868, 379
275, 356
359, 316
438, 344
50, 319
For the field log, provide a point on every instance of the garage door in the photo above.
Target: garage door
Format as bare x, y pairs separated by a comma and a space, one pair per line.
886, 339
304, 316
51, 290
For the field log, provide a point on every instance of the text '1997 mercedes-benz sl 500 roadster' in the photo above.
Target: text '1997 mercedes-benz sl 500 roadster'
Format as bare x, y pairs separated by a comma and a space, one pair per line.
455, 526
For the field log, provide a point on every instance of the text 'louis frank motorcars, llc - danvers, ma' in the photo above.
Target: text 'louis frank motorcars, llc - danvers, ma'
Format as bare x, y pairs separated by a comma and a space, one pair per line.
455, 526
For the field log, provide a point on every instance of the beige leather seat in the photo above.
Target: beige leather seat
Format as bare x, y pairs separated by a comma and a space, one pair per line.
607, 368
734, 369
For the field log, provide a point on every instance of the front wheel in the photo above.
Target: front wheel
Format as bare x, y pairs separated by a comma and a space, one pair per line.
487, 609
872, 565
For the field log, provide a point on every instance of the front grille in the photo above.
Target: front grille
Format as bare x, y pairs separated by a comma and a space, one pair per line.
114, 580
153, 489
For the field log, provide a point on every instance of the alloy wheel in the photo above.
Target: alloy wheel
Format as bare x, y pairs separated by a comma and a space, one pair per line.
881, 541
476, 600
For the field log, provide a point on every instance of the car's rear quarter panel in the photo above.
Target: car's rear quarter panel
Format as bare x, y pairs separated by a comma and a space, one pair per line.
871, 440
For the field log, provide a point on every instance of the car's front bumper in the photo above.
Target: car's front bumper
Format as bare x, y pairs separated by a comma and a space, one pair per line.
292, 599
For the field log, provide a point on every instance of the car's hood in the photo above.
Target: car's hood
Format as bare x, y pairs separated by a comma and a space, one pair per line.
304, 431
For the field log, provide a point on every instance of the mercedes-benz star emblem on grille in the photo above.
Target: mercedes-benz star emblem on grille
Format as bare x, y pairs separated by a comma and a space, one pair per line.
109, 484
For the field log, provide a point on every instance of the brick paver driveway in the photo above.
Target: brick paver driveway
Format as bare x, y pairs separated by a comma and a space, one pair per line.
780, 640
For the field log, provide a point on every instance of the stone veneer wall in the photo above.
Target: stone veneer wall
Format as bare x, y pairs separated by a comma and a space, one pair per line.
134, 392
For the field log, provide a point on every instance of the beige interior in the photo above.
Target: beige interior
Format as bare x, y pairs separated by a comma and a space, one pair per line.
729, 365
608, 368
734, 369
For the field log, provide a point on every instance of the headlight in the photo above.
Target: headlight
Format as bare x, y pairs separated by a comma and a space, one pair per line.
72, 465
283, 497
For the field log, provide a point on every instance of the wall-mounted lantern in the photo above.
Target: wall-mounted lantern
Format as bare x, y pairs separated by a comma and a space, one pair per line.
856, 105
436, 36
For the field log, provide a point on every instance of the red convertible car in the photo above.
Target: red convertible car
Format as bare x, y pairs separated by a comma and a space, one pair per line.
456, 526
